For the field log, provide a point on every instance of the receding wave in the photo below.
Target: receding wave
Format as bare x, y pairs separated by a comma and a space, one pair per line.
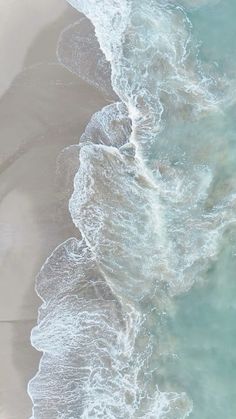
78, 50
146, 204
91, 365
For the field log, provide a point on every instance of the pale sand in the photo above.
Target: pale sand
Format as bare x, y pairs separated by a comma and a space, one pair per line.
20, 22
45, 109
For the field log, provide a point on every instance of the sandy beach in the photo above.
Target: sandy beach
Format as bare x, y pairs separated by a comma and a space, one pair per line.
14, 42
43, 108
138, 314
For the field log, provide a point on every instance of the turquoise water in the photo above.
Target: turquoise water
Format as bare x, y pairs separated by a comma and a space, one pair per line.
203, 328
203, 324
204, 321
137, 318
214, 26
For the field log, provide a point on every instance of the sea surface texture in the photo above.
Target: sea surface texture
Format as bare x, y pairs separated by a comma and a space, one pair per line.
138, 313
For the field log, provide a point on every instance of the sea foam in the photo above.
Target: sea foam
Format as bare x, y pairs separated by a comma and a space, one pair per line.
145, 206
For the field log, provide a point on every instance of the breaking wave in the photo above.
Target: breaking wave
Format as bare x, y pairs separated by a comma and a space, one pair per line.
146, 204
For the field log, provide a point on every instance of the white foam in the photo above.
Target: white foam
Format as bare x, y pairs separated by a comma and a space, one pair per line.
147, 231
78, 50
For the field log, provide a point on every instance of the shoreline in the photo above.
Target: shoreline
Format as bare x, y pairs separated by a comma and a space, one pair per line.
38, 118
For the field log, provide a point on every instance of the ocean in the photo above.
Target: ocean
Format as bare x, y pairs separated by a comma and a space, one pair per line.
137, 315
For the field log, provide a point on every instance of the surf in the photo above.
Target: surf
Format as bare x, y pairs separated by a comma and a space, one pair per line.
144, 201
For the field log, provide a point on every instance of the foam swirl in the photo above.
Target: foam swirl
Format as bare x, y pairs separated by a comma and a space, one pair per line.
146, 206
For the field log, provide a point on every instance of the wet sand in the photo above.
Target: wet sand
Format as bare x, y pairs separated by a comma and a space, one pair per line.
43, 109
20, 22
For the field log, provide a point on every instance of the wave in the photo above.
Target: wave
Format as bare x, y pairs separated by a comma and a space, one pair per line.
78, 50
145, 203
91, 366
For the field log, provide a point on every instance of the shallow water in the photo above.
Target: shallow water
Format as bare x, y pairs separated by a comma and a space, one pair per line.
138, 314
205, 338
